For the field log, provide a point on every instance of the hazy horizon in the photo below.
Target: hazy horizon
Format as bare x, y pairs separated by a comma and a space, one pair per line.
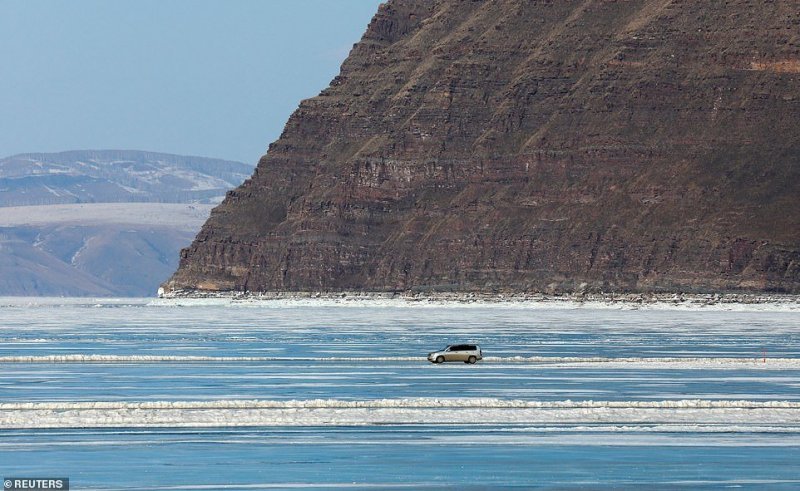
204, 78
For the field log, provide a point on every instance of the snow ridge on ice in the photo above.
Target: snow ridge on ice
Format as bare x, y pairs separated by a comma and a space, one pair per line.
332, 412
415, 403
560, 361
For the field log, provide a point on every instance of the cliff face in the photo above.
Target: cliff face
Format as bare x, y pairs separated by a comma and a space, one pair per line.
532, 146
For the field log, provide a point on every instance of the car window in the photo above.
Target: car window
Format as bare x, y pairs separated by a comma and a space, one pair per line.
461, 347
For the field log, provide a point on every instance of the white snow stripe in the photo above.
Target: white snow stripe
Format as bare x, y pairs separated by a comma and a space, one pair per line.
93, 358
736, 414
413, 403
644, 362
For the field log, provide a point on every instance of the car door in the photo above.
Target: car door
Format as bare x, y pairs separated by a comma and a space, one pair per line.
457, 354
448, 353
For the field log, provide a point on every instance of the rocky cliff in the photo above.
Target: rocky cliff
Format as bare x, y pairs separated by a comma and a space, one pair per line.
521, 145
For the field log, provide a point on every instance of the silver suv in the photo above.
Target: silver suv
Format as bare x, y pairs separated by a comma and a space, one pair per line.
468, 353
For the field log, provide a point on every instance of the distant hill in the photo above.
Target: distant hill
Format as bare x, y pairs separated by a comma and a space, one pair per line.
116, 176
102, 223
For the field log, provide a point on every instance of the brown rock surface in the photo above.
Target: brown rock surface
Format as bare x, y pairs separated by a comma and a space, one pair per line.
520, 145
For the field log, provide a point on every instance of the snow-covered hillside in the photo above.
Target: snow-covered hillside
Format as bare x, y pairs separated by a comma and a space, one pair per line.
180, 216
112, 176
102, 223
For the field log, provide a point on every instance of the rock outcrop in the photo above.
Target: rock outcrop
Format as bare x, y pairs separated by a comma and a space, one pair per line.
521, 145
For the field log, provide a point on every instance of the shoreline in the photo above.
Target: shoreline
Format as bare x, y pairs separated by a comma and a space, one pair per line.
569, 300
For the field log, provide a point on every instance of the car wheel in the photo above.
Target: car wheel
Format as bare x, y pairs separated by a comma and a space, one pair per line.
472, 360
439, 359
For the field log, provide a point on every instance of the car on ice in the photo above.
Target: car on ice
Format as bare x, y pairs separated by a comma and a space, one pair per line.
468, 353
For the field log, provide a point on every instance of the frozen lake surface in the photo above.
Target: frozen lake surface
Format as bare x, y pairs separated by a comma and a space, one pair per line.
155, 394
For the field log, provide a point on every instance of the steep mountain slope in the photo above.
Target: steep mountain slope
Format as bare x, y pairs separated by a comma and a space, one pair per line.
516, 145
98, 249
98, 261
99, 244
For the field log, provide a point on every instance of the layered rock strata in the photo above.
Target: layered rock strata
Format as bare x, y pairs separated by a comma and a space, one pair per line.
521, 145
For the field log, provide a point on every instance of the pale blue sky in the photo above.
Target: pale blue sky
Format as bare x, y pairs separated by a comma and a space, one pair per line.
215, 78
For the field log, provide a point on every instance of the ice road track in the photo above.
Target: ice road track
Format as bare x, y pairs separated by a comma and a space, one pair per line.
557, 361
733, 416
